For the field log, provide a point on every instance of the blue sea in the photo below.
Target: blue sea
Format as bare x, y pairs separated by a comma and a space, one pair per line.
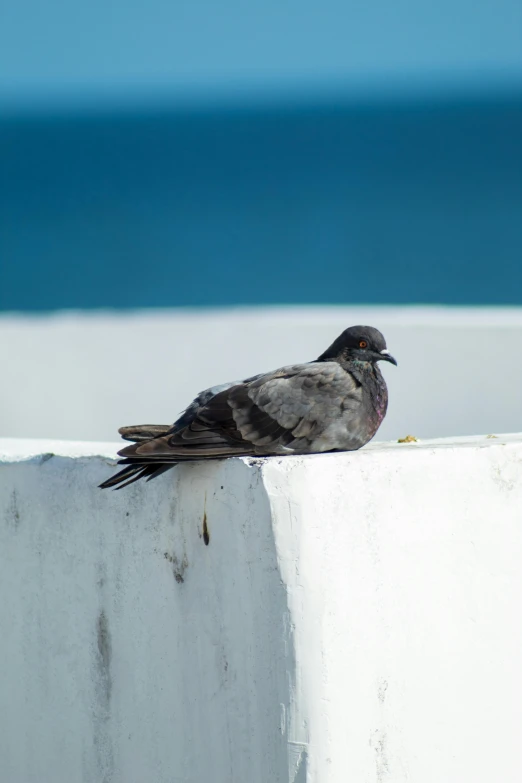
408, 201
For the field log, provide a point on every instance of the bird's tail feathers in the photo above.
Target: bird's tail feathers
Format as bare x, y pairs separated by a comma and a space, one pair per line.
137, 433
134, 471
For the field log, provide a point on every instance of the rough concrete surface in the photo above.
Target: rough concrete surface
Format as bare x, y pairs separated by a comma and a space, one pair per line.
333, 618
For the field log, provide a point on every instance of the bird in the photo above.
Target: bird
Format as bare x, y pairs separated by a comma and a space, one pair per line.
335, 403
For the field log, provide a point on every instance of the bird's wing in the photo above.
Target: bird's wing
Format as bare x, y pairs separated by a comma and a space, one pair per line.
199, 402
293, 412
288, 411
141, 432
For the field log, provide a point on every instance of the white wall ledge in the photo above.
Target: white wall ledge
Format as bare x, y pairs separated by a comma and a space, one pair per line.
353, 617
23, 449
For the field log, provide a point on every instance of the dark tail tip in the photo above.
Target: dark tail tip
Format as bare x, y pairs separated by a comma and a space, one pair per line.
134, 472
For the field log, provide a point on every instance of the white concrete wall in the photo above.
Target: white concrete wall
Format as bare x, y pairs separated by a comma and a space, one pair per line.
354, 617
81, 376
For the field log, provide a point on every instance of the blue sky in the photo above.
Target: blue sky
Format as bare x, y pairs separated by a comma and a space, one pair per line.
64, 47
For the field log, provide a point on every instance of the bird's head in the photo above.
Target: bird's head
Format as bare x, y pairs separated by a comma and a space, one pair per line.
362, 343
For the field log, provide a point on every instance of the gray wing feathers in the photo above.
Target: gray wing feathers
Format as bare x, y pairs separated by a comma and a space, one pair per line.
298, 405
204, 398
199, 402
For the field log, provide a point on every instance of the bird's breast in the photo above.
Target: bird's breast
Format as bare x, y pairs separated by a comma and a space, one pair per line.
377, 399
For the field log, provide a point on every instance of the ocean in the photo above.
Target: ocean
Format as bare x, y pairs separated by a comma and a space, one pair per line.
352, 202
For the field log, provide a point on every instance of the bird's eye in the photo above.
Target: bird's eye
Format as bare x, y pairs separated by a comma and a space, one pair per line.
363, 344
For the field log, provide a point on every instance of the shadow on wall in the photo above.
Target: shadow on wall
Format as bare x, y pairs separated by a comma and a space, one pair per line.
152, 676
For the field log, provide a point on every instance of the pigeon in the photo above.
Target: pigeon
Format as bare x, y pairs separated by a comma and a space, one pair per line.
335, 403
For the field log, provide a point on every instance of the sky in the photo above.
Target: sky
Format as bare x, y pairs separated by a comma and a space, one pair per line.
71, 48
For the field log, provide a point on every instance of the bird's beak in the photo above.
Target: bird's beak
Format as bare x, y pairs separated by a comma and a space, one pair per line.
386, 356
